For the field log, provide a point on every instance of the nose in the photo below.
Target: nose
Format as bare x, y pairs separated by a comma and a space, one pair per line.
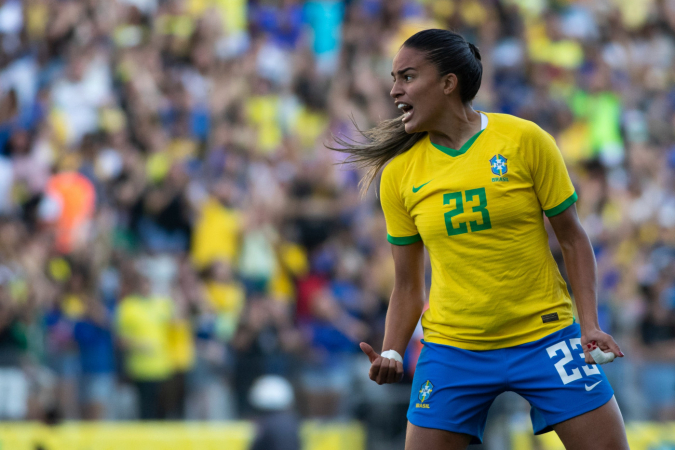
396, 90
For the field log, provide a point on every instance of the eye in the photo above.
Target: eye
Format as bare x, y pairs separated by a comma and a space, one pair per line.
408, 77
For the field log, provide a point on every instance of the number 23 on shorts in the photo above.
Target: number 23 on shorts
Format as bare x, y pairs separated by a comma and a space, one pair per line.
567, 357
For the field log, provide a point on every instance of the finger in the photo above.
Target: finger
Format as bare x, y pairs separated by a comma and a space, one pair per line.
399, 371
609, 345
384, 371
614, 347
391, 376
587, 354
368, 350
588, 358
374, 370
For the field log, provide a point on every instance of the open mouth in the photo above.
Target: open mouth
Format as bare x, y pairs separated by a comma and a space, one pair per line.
407, 110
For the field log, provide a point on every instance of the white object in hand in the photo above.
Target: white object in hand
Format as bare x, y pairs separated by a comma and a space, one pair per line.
392, 354
601, 357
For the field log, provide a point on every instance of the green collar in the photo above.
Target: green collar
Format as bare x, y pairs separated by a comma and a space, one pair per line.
461, 151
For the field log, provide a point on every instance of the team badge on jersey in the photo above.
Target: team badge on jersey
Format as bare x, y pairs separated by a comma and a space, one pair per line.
425, 391
498, 165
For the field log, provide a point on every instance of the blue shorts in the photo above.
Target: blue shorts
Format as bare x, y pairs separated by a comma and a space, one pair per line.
454, 388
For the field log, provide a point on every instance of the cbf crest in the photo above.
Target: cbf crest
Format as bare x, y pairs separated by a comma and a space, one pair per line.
498, 165
425, 391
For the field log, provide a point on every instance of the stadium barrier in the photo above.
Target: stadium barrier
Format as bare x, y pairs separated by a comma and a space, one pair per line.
641, 436
168, 436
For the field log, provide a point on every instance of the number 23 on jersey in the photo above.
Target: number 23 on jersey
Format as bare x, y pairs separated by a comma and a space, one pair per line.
471, 196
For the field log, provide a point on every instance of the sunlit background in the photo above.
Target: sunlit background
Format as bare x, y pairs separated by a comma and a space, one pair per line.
172, 227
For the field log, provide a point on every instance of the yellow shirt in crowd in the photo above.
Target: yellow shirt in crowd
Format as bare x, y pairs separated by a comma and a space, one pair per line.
181, 345
144, 325
216, 234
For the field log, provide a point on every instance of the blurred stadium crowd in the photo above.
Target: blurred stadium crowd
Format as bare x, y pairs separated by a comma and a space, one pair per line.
172, 226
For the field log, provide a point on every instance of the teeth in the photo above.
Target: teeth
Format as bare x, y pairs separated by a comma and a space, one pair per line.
402, 105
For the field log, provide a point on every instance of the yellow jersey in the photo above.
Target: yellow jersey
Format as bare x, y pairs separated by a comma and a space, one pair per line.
216, 234
144, 323
478, 211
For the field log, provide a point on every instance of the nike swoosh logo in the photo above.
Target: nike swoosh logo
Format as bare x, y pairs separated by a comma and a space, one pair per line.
590, 388
415, 189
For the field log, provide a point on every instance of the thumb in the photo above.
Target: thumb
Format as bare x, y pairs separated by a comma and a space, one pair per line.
368, 350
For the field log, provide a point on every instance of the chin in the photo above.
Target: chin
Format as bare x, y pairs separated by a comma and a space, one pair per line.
412, 127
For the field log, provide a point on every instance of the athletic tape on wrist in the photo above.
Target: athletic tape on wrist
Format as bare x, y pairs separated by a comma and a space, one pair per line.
392, 354
601, 357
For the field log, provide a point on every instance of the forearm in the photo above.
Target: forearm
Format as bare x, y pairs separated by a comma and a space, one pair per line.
580, 264
582, 273
405, 309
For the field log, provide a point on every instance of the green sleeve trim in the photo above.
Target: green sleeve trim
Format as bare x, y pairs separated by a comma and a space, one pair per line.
563, 206
406, 240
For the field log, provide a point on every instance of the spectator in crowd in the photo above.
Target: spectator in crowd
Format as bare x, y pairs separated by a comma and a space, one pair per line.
143, 326
13, 382
93, 333
182, 354
265, 342
278, 426
62, 350
657, 333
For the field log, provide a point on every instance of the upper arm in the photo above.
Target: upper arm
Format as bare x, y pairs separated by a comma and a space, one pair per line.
407, 247
401, 228
409, 267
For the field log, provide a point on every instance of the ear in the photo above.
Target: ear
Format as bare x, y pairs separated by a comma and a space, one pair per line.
449, 83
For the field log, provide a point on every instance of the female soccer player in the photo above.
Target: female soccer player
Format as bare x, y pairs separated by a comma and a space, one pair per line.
472, 187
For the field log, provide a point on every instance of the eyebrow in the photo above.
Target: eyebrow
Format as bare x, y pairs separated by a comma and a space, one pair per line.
402, 71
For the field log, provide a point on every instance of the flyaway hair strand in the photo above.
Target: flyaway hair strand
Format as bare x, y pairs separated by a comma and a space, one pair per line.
383, 142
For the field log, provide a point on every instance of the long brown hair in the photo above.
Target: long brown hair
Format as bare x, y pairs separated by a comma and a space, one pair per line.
383, 142
450, 53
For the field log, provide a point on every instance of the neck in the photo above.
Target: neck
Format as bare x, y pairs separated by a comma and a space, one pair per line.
456, 126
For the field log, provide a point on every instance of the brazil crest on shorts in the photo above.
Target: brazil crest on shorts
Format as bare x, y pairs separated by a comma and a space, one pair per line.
498, 165
425, 391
